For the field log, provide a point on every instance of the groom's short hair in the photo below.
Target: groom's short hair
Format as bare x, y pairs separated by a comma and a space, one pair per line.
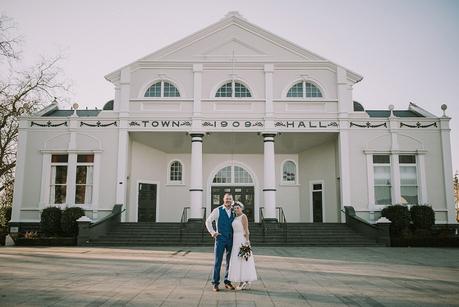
228, 194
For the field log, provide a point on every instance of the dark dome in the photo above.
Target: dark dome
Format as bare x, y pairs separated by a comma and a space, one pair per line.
358, 107
108, 105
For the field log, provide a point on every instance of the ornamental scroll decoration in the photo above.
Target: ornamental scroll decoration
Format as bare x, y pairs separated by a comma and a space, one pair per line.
48, 124
368, 125
98, 124
418, 125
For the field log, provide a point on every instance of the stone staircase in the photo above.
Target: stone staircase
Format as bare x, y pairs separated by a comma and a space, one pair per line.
268, 234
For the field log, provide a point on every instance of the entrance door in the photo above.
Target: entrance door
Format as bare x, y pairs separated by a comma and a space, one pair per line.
317, 203
243, 194
146, 203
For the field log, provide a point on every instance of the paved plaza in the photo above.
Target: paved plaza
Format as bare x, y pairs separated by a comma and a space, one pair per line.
180, 276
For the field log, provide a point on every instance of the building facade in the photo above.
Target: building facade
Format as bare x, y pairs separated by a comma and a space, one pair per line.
233, 108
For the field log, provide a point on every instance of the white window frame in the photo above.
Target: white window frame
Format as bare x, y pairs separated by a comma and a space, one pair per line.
161, 94
304, 97
288, 183
175, 182
51, 184
45, 195
233, 91
311, 190
85, 205
232, 181
415, 165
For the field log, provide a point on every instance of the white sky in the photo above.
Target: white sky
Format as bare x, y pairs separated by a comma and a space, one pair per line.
406, 50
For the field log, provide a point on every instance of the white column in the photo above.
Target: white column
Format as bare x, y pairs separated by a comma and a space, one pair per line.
396, 194
45, 181
269, 108
344, 170
196, 176
269, 186
447, 169
422, 186
18, 192
344, 89
121, 173
124, 91
71, 179
96, 185
197, 89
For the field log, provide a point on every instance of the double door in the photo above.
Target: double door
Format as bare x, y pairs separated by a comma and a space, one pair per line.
240, 193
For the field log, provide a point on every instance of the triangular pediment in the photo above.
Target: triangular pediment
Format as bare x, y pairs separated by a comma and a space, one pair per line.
232, 38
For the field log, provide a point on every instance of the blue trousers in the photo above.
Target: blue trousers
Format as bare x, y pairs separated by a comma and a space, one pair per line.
222, 244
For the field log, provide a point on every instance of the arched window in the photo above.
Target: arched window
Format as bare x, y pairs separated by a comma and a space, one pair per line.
289, 172
233, 89
304, 89
176, 172
162, 89
233, 174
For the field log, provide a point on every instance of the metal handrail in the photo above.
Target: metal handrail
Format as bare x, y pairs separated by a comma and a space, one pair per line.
184, 217
283, 222
263, 225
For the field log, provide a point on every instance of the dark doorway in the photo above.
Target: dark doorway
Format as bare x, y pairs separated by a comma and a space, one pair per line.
317, 203
146, 202
243, 194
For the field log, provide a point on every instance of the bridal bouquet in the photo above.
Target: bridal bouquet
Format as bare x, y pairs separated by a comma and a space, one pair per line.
245, 251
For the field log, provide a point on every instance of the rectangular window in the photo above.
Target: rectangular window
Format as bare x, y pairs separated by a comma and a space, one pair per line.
408, 179
58, 188
83, 179
382, 184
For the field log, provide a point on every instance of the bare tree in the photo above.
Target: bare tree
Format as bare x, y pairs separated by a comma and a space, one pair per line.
22, 92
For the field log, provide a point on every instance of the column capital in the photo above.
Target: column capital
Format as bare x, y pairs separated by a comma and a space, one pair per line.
269, 134
197, 68
269, 68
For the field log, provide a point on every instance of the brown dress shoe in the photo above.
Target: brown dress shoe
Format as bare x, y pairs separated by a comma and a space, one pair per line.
229, 286
215, 288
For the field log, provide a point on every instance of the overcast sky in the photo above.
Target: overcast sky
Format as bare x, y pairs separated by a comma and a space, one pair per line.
406, 50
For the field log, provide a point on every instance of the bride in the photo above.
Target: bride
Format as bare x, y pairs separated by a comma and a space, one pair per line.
240, 269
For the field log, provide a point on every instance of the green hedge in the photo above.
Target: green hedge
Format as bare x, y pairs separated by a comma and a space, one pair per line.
400, 218
50, 223
69, 224
423, 217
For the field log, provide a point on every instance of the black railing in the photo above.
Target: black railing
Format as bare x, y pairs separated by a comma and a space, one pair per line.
358, 224
262, 222
185, 217
282, 222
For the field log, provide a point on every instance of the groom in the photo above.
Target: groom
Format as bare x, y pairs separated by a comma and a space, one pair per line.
223, 235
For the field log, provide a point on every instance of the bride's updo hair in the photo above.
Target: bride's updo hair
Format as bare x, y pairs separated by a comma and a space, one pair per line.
238, 203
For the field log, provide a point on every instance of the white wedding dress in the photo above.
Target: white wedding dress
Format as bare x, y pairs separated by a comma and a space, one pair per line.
240, 270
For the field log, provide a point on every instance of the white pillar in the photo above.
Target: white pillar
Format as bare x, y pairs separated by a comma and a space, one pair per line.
269, 107
18, 192
447, 169
269, 186
196, 176
422, 186
121, 172
344, 170
396, 193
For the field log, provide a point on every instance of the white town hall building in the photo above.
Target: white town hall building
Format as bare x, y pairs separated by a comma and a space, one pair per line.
233, 108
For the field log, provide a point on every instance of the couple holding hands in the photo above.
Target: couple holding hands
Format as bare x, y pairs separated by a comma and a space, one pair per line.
232, 240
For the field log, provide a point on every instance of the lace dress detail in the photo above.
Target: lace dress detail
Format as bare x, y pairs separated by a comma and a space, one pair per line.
239, 268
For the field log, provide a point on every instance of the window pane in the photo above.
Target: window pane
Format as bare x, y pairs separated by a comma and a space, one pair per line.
85, 158
407, 159
382, 195
289, 171
80, 194
317, 186
154, 90
408, 175
225, 91
312, 90
296, 90
170, 90
241, 91
59, 174
59, 158
409, 195
381, 159
382, 175
176, 171
223, 175
58, 194
241, 175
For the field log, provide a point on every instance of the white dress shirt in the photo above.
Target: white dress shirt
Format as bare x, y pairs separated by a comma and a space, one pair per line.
214, 215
